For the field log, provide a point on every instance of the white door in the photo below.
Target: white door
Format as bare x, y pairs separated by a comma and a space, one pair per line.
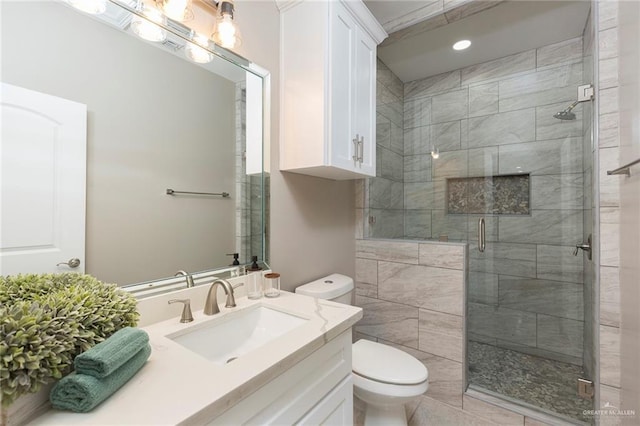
42, 180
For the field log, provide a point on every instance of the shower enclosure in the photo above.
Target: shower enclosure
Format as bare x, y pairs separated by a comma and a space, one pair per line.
500, 155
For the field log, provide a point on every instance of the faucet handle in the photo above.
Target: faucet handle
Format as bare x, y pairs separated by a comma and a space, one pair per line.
187, 316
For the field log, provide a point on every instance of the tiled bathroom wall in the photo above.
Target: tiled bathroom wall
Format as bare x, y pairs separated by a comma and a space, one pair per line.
412, 294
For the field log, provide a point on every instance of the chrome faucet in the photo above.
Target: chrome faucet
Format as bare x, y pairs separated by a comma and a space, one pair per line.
211, 304
188, 276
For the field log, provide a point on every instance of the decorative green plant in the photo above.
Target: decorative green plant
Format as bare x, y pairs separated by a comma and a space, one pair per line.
48, 319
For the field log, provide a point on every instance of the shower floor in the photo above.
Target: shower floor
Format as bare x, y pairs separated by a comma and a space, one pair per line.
544, 383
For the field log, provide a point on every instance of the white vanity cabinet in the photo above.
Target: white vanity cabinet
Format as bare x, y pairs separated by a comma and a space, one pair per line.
328, 72
316, 391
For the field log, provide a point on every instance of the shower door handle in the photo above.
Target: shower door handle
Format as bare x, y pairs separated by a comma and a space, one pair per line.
481, 236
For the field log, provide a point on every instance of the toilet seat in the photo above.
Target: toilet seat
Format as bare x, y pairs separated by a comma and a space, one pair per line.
389, 391
387, 365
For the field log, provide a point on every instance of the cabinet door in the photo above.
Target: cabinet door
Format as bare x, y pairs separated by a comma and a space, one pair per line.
365, 101
336, 409
341, 147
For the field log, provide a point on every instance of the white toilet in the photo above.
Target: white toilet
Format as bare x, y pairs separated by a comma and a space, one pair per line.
385, 378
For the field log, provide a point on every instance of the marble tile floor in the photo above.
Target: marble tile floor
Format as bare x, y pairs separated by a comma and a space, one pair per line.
548, 384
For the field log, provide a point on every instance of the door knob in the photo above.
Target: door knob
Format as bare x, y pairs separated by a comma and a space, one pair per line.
72, 263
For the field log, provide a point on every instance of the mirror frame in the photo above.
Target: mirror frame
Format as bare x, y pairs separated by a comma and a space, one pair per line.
164, 285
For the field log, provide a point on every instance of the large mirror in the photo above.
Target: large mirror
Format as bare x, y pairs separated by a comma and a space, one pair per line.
155, 121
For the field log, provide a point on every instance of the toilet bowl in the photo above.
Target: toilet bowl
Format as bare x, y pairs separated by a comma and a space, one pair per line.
384, 378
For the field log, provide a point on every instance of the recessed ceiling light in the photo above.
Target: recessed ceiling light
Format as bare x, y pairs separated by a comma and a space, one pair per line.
461, 45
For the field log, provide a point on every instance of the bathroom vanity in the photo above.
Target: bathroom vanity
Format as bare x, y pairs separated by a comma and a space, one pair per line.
269, 361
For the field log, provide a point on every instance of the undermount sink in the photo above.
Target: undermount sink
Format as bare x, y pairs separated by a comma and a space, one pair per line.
238, 334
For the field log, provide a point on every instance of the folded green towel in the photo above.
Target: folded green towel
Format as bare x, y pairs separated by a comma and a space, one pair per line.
81, 393
105, 357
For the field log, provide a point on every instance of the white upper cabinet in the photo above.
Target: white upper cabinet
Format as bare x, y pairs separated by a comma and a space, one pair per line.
328, 71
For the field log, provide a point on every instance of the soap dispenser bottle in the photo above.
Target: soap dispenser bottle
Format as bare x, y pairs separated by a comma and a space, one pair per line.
254, 264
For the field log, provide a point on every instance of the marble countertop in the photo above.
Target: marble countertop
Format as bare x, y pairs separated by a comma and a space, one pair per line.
177, 386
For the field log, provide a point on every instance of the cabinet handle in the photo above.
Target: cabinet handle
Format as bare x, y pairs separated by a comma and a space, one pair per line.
356, 143
361, 146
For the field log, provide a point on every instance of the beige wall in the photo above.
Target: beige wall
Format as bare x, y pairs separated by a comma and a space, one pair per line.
629, 34
135, 149
312, 219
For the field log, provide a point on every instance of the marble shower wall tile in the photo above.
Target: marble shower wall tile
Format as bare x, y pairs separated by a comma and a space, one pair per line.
559, 264
561, 227
552, 85
507, 324
418, 195
417, 112
393, 251
542, 158
436, 289
432, 85
441, 334
450, 164
495, 69
504, 258
446, 136
560, 335
483, 161
449, 106
417, 168
504, 128
452, 226
483, 99
483, 288
610, 296
367, 278
417, 141
564, 51
388, 321
388, 224
557, 191
560, 299
610, 356
417, 224
442, 256
385, 194
390, 164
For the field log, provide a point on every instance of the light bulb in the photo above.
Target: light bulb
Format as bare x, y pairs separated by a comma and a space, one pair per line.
226, 32
93, 7
148, 28
195, 50
178, 10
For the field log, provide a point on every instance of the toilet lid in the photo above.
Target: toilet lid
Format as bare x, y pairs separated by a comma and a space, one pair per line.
383, 363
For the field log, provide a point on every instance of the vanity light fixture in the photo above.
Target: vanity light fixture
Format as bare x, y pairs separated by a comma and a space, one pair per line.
226, 33
178, 10
196, 51
461, 45
147, 27
93, 7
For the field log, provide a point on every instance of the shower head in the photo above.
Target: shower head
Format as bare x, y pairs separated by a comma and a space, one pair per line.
566, 114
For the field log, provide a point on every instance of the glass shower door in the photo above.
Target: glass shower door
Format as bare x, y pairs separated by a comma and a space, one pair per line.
526, 202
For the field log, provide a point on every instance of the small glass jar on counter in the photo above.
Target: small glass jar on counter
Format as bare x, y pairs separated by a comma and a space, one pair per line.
272, 284
254, 285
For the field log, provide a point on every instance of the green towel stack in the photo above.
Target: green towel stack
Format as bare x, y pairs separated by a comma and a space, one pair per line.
102, 370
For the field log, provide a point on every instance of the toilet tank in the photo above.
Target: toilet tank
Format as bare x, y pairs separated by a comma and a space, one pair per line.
334, 287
